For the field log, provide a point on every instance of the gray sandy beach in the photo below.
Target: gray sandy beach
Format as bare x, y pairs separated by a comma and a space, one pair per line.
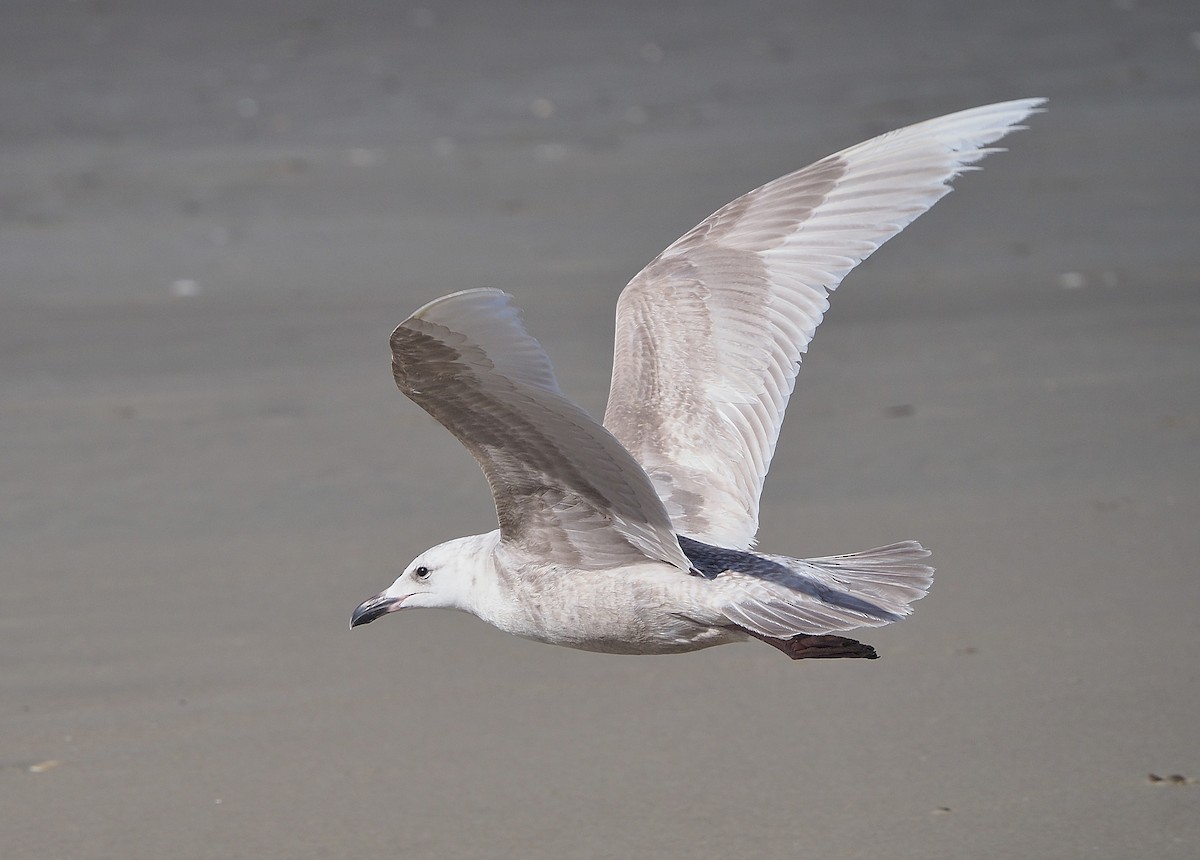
213, 214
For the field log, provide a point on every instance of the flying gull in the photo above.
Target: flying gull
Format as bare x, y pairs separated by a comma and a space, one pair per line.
636, 536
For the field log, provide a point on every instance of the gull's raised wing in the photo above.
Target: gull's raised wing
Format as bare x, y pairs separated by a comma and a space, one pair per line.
565, 489
709, 335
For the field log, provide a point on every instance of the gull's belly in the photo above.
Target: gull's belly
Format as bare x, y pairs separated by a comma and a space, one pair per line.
645, 609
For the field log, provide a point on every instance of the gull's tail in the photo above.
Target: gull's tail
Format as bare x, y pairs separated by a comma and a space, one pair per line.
816, 596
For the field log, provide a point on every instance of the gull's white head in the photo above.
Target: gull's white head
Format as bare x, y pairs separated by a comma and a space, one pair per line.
443, 577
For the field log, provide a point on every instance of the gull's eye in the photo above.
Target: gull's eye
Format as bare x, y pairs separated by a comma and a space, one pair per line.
421, 573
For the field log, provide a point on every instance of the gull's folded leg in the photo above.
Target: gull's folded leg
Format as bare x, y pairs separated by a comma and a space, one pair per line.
805, 646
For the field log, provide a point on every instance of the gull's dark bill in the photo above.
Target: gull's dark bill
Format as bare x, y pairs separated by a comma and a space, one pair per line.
377, 607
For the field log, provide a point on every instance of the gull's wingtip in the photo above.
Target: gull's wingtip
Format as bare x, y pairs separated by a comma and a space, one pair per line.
460, 298
1031, 103
1000, 118
1025, 106
1019, 110
1030, 106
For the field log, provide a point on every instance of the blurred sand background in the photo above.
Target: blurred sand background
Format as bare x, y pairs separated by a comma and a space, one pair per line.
213, 214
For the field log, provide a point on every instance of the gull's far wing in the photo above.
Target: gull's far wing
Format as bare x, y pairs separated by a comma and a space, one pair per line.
565, 489
709, 335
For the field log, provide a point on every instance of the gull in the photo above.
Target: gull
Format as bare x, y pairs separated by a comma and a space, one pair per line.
636, 536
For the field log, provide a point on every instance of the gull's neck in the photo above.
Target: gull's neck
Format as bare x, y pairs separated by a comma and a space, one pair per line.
485, 590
